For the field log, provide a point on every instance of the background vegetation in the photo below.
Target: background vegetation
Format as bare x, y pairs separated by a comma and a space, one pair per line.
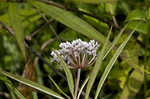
30, 30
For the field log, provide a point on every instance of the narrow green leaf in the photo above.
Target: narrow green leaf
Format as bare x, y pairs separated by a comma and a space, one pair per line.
32, 84
68, 74
111, 63
83, 85
13, 91
115, 41
16, 23
70, 20
96, 68
12, 95
59, 89
18, 94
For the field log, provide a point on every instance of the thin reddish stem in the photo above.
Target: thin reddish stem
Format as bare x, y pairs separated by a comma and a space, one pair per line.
77, 83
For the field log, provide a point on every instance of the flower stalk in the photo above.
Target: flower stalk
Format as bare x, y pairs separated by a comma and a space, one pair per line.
77, 83
77, 54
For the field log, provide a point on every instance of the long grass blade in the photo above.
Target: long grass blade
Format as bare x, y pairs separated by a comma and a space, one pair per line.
32, 84
13, 91
110, 64
70, 20
96, 68
18, 94
115, 41
83, 85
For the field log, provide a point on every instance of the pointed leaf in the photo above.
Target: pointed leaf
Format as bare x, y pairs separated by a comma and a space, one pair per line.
32, 84
19, 95
115, 41
110, 64
96, 68
68, 74
11, 88
70, 20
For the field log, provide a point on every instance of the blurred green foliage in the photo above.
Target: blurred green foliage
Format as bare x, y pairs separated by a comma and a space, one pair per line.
44, 25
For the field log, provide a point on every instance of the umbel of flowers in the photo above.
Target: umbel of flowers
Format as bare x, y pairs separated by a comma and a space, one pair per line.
77, 53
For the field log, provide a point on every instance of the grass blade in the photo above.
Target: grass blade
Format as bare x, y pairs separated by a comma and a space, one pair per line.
18, 94
110, 64
83, 85
96, 68
13, 91
68, 74
115, 41
59, 89
32, 84
16, 23
70, 20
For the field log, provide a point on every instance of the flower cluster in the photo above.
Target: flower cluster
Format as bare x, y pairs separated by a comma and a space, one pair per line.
77, 53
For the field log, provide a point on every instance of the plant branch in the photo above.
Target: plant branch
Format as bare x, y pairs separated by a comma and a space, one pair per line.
51, 27
115, 22
29, 37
